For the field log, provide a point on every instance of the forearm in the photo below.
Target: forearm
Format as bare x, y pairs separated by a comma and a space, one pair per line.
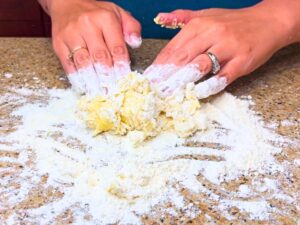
52, 5
287, 13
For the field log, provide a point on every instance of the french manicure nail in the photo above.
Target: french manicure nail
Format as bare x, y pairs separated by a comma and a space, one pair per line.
134, 41
210, 87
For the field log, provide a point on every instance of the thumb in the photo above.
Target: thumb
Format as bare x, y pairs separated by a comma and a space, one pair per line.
131, 30
175, 19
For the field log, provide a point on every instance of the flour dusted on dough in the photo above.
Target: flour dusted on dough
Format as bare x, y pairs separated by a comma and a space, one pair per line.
137, 107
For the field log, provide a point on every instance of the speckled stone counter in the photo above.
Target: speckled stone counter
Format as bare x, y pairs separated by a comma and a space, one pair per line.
275, 89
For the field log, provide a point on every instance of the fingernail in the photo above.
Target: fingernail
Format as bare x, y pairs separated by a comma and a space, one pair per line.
161, 19
211, 86
157, 20
134, 40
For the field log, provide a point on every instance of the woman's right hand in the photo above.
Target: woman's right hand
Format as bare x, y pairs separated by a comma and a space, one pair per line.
89, 39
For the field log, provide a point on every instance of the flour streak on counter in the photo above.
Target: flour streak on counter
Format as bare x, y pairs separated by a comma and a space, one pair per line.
105, 179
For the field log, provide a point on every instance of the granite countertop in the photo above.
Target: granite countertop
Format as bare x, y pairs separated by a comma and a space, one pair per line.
275, 89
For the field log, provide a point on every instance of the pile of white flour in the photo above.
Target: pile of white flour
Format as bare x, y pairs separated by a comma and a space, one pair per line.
114, 182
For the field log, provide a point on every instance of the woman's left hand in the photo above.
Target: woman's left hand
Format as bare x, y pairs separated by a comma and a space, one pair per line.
242, 40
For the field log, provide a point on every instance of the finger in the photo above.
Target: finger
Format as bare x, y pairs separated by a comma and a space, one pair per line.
78, 48
192, 72
210, 86
97, 47
188, 42
184, 55
113, 36
180, 17
75, 80
131, 29
101, 57
62, 52
169, 61
187, 74
234, 69
158, 73
86, 77
204, 62
217, 83
177, 18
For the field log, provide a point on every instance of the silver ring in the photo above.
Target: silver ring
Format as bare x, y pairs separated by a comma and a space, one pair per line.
215, 63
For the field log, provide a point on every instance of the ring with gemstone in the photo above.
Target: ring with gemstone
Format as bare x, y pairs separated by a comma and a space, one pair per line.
215, 63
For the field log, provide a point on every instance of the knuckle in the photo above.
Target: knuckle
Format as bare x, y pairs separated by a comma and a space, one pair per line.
195, 21
220, 27
81, 58
204, 63
108, 15
119, 51
66, 62
101, 55
84, 18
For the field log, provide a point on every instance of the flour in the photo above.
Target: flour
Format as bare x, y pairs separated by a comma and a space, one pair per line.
109, 179
211, 86
8, 75
256, 209
85, 80
133, 40
167, 78
98, 79
287, 123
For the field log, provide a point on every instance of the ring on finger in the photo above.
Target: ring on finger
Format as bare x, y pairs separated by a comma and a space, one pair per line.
74, 50
216, 67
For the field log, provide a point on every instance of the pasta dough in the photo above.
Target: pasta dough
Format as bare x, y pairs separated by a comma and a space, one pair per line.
137, 107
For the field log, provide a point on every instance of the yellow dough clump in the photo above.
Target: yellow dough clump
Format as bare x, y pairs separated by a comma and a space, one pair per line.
139, 109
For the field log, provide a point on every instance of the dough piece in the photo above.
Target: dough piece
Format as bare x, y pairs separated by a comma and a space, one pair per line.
136, 106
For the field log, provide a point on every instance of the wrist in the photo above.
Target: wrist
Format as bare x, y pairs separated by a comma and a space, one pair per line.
284, 14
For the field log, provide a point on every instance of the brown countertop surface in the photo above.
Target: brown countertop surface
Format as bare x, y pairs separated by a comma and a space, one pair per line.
275, 89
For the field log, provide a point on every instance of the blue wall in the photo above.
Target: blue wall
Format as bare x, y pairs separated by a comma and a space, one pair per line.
146, 10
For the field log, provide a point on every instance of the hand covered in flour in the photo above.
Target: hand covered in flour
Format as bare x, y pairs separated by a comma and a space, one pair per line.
89, 39
242, 40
